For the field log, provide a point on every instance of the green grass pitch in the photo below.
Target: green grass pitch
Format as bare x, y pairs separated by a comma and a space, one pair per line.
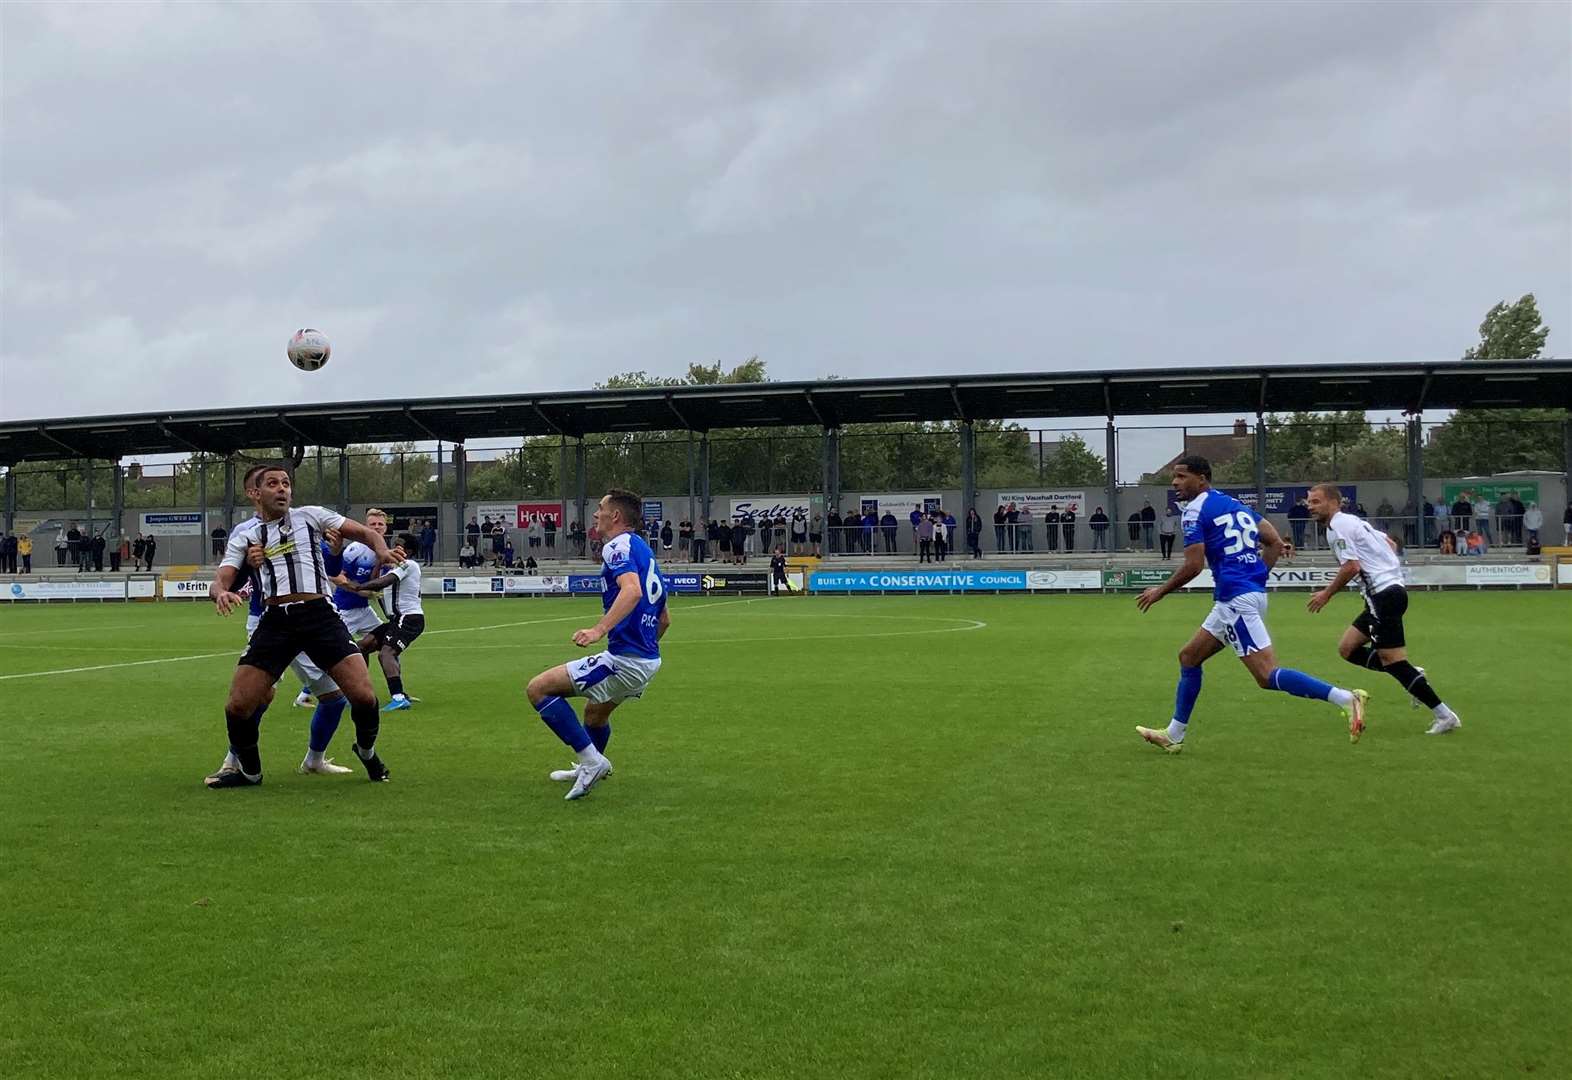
847, 837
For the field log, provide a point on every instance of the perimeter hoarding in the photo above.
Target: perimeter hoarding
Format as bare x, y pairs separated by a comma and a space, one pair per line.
64, 590
918, 581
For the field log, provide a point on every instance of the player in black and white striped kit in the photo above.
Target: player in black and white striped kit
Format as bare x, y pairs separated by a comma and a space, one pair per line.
297, 617
406, 619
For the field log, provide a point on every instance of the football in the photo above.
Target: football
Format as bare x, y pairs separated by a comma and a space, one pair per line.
309, 349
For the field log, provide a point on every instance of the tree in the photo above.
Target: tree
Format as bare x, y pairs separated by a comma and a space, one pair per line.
1478, 442
1074, 463
1315, 446
1510, 332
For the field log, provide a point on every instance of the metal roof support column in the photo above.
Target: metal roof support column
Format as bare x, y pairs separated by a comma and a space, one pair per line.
117, 487
968, 468
229, 493
88, 463
321, 482
1416, 476
10, 499
343, 481
1260, 464
1111, 453
1566, 446
460, 493
207, 544
441, 547
824, 492
693, 497
581, 472
832, 470
704, 474
562, 489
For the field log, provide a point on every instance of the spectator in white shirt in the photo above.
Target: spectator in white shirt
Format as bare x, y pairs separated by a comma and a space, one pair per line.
1533, 521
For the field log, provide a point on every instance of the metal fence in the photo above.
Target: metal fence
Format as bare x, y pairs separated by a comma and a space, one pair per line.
1488, 465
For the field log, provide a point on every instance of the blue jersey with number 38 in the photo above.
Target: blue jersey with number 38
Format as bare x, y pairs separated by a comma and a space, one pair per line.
1231, 532
636, 634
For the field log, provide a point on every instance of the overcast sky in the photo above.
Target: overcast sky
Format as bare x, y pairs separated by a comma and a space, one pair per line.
470, 198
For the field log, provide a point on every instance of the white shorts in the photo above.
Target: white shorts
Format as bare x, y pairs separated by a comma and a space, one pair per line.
1240, 622
360, 620
604, 677
310, 676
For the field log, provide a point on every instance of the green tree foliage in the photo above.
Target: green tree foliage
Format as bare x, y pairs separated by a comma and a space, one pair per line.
1478, 442
874, 457
1315, 446
1073, 462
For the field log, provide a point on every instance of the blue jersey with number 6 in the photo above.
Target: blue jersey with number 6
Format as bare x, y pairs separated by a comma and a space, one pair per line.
1231, 532
635, 635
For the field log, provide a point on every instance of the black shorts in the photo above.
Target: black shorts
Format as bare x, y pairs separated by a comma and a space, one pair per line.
1382, 619
311, 627
400, 633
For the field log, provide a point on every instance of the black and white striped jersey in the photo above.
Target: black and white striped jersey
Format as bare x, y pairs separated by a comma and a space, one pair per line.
292, 549
403, 596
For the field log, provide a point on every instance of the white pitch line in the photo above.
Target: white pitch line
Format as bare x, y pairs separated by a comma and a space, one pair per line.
107, 667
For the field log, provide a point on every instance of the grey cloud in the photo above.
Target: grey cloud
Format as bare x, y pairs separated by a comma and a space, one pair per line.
474, 197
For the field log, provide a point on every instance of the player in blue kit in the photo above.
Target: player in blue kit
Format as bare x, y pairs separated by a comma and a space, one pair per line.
1240, 547
634, 599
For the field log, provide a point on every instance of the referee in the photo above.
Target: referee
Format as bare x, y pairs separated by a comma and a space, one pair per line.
297, 617
1375, 640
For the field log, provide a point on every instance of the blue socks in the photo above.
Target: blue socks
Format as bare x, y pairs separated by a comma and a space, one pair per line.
1299, 684
1189, 690
600, 736
324, 722
564, 723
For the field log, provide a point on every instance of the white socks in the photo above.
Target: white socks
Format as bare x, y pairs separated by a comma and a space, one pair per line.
1340, 697
231, 761
1442, 712
1176, 731
590, 756
313, 757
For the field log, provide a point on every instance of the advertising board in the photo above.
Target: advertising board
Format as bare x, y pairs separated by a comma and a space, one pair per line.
1064, 579
188, 524
918, 581
1040, 502
64, 590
